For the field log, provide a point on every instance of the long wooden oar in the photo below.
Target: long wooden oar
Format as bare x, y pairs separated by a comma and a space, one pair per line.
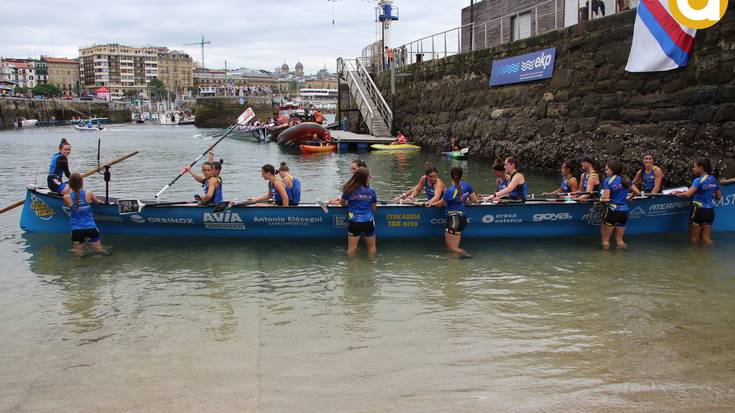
244, 119
86, 174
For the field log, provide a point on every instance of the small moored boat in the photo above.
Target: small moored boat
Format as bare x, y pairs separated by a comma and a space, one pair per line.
460, 154
317, 148
88, 129
397, 147
45, 212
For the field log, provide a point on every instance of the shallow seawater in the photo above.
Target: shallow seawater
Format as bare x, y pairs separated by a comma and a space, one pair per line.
553, 325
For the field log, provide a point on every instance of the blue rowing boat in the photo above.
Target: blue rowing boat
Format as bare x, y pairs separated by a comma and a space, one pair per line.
46, 213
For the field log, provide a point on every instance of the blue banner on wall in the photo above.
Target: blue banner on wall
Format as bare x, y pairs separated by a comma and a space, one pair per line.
523, 68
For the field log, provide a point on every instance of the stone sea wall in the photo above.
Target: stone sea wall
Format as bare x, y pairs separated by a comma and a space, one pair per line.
221, 112
590, 106
45, 110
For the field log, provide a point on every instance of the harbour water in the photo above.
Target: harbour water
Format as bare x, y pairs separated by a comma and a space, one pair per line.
183, 325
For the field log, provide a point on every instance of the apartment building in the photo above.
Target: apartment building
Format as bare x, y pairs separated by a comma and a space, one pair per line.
118, 67
175, 70
63, 73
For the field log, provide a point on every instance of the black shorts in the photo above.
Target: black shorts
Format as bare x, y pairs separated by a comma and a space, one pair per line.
702, 216
361, 229
54, 185
456, 223
614, 218
80, 236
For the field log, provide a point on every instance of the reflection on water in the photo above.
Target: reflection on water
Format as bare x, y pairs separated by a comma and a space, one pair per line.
210, 325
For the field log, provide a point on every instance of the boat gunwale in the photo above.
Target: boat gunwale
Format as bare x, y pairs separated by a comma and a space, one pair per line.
112, 201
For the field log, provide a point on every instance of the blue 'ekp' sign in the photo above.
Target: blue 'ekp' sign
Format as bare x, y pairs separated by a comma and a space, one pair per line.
523, 68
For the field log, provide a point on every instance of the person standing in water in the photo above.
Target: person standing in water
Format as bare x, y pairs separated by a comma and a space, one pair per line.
615, 191
705, 190
83, 228
58, 168
454, 200
361, 202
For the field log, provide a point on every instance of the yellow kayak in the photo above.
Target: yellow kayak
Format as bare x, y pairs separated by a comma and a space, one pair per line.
401, 147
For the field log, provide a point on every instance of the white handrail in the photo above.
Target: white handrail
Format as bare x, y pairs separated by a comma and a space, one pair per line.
364, 99
360, 66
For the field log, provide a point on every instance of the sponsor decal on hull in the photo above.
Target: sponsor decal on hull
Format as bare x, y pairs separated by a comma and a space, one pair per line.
340, 221
501, 219
41, 209
563, 216
223, 220
403, 220
726, 201
160, 220
676, 208
288, 221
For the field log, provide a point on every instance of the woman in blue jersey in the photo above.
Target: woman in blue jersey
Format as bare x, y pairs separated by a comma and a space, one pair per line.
517, 188
615, 191
293, 185
276, 187
454, 200
210, 180
650, 178
705, 190
568, 181
83, 228
361, 202
429, 183
58, 168
590, 180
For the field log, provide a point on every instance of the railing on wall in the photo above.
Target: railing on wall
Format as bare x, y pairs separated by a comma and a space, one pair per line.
544, 17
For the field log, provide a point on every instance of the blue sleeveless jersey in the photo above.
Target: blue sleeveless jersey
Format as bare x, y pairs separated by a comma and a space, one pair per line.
520, 192
565, 187
81, 215
706, 186
618, 193
217, 197
294, 193
648, 180
500, 184
430, 190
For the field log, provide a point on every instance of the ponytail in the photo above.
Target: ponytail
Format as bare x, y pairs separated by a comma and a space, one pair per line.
76, 183
217, 165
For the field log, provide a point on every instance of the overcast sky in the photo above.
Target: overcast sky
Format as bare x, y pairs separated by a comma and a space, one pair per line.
247, 33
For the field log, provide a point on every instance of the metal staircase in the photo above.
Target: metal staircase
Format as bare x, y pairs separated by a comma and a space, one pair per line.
374, 109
